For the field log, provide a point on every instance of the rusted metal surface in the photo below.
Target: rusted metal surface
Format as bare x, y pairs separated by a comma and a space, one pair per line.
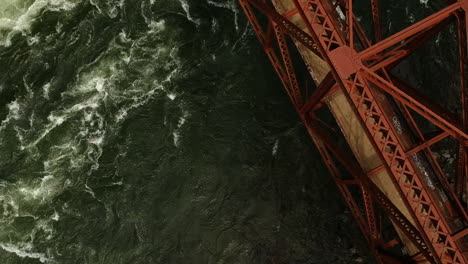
427, 211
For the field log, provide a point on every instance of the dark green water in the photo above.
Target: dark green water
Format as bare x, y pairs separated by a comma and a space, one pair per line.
151, 131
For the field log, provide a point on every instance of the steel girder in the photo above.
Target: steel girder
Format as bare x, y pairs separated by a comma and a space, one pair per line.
363, 75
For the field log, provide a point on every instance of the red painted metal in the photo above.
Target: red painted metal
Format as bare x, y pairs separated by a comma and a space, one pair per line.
376, 19
293, 84
427, 143
370, 189
432, 112
363, 77
410, 31
323, 88
462, 160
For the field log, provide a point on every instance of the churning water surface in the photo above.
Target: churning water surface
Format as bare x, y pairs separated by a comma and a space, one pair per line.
155, 131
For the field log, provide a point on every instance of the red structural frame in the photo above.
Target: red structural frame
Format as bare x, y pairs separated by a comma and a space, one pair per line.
360, 67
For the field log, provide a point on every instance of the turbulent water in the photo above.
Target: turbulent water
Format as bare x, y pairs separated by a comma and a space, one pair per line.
154, 131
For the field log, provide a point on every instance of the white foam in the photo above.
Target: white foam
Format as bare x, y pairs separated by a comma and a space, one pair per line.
97, 140
58, 27
31, 119
121, 115
157, 26
14, 108
214, 25
24, 250
21, 19
182, 119
90, 191
177, 133
46, 189
44, 225
232, 6
96, 84
13, 114
244, 34
127, 59
275, 147
10, 207
340, 13
33, 40
56, 216
119, 183
45, 91
99, 84
55, 121
438, 38
172, 96
186, 8
176, 137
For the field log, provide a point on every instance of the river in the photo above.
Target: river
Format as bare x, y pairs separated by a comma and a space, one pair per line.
155, 131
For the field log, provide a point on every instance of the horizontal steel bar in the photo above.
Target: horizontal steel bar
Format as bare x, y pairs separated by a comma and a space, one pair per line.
408, 32
427, 143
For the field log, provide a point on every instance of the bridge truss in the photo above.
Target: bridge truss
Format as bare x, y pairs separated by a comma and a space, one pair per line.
360, 67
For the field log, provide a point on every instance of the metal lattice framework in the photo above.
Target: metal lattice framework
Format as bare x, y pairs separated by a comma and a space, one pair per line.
359, 66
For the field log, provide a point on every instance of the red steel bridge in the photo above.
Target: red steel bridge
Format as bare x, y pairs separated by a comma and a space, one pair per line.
377, 146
